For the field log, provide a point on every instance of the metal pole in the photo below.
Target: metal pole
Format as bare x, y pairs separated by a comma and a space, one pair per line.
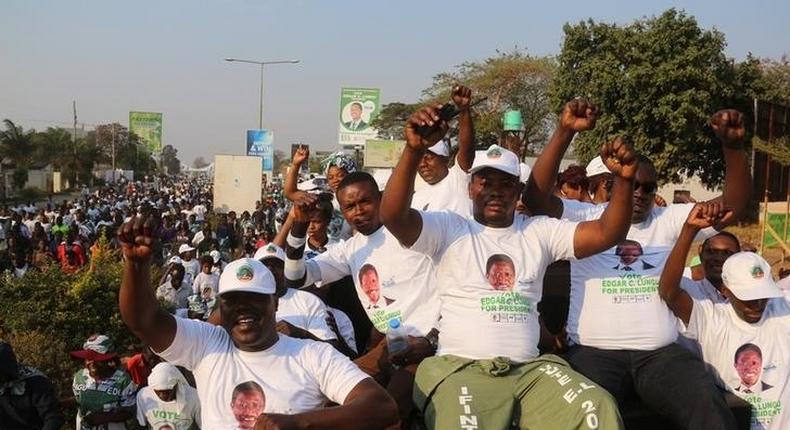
113, 153
260, 116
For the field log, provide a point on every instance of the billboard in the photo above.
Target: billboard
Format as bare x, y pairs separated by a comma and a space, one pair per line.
383, 153
260, 143
358, 107
237, 183
148, 128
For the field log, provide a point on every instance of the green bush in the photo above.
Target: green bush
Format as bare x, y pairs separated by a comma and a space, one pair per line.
46, 314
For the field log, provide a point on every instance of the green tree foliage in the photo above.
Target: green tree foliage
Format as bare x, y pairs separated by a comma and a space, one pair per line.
17, 145
129, 154
509, 80
776, 79
656, 80
392, 118
48, 313
170, 160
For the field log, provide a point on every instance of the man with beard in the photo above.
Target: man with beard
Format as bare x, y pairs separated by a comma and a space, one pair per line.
622, 335
299, 376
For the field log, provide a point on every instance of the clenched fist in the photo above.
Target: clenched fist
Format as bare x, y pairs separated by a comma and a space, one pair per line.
620, 158
728, 126
579, 115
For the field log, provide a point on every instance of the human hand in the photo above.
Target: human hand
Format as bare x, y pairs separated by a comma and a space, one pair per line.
300, 211
300, 156
304, 198
708, 214
137, 238
579, 115
418, 348
428, 119
660, 202
290, 330
462, 96
277, 422
619, 157
727, 124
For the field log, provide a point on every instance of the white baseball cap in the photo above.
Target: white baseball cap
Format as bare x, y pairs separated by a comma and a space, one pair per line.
248, 275
215, 255
175, 260
185, 248
269, 251
596, 167
748, 276
496, 157
441, 148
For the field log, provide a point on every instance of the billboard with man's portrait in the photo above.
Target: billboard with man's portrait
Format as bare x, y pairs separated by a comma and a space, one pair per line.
358, 108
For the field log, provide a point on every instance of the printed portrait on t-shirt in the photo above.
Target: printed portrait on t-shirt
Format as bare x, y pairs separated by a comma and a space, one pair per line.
630, 253
369, 282
501, 272
749, 365
247, 403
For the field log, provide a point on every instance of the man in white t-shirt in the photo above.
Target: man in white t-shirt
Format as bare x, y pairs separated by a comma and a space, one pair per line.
622, 335
168, 400
298, 376
743, 340
445, 187
404, 287
487, 368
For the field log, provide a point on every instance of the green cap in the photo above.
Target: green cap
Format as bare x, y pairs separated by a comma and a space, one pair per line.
513, 121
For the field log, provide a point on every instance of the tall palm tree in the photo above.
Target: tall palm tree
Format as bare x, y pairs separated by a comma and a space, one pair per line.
17, 145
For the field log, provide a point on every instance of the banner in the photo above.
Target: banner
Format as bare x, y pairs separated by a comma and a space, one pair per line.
260, 143
358, 107
383, 153
147, 126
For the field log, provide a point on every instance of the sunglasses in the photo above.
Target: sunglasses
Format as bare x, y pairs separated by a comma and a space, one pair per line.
647, 187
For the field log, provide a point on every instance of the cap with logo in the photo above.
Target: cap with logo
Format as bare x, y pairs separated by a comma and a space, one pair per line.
748, 276
246, 275
215, 255
269, 251
596, 167
496, 157
97, 348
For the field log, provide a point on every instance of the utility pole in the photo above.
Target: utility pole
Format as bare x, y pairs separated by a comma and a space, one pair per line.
113, 153
76, 171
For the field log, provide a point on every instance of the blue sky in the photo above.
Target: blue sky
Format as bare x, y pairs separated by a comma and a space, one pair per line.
166, 56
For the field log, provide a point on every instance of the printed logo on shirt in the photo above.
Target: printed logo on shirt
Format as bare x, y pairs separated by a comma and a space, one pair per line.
244, 273
501, 272
247, 402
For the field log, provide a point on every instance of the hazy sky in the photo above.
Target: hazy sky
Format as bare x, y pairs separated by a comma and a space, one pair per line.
166, 56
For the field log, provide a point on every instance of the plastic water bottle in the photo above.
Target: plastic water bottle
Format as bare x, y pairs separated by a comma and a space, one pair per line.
397, 340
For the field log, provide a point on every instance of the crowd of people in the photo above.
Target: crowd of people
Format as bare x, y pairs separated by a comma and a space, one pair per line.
358, 303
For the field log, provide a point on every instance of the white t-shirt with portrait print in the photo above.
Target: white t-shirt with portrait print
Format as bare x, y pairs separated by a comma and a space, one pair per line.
306, 311
449, 194
615, 304
721, 333
406, 279
179, 414
479, 321
296, 375
344, 326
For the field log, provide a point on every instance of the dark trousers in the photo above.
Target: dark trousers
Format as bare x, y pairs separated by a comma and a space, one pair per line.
670, 381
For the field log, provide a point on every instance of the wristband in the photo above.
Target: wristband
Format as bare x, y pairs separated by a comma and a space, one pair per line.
295, 242
294, 270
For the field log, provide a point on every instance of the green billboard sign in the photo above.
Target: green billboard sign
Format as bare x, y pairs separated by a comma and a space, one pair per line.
147, 126
358, 107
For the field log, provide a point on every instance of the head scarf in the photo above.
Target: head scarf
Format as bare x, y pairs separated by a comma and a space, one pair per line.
165, 376
341, 160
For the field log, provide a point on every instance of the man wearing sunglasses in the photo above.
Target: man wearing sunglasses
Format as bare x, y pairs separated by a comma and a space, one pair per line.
622, 335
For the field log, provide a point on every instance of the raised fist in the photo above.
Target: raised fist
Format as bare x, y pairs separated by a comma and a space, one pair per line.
435, 127
138, 237
300, 156
462, 96
727, 124
708, 214
579, 115
619, 157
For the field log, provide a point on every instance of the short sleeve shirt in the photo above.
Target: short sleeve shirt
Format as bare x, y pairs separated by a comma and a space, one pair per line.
306, 311
449, 194
491, 281
117, 391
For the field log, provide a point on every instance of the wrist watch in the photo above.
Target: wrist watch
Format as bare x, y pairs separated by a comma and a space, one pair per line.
433, 339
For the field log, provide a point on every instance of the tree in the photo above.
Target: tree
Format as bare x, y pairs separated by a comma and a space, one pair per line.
509, 80
17, 145
170, 160
199, 163
392, 118
776, 79
656, 80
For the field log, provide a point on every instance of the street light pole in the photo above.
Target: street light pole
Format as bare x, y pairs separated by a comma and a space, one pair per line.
262, 64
